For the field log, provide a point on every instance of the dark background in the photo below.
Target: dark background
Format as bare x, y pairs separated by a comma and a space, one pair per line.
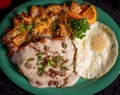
111, 7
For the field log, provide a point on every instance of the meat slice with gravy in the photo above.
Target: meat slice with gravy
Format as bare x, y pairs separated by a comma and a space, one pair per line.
47, 63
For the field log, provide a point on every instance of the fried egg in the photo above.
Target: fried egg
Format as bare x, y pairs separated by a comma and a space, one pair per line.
97, 52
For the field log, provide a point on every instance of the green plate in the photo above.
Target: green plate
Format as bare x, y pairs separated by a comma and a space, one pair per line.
83, 86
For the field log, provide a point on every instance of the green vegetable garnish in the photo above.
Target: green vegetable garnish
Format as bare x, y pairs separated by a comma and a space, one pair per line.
50, 63
63, 67
21, 27
39, 59
79, 27
40, 70
39, 55
29, 27
58, 57
35, 23
29, 59
54, 27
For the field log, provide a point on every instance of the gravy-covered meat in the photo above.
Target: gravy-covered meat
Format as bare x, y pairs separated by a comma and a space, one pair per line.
45, 64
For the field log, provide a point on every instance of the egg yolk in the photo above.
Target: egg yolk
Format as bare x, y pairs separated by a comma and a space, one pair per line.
98, 42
